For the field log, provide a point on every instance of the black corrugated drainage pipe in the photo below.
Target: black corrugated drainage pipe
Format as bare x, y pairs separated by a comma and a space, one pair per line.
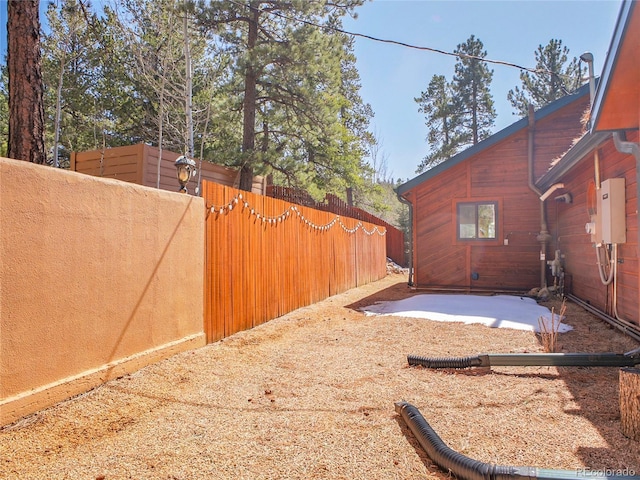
628, 359
465, 468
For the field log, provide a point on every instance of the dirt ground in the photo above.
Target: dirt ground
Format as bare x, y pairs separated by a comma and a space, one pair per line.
311, 395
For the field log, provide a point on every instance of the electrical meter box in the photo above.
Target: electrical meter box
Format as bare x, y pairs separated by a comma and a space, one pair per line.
611, 211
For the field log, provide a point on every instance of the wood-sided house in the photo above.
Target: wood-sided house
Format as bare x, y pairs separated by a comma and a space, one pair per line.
601, 173
496, 216
477, 219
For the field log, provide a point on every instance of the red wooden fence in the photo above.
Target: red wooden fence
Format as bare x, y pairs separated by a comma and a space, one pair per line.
266, 257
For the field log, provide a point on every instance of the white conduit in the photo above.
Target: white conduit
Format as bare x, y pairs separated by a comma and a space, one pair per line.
615, 283
612, 266
613, 274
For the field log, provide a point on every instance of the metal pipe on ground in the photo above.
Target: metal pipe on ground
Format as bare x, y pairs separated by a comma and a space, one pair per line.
625, 327
628, 359
465, 468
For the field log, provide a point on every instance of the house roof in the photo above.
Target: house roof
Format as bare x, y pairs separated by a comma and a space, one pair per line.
492, 140
616, 95
585, 145
615, 106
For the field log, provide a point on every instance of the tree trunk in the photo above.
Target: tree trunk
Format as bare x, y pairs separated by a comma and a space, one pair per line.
630, 402
26, 108
249, 105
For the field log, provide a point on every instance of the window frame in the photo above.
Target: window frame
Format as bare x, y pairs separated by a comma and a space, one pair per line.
458, 202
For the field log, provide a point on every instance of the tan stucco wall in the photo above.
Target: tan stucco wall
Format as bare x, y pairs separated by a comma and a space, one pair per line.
97, 278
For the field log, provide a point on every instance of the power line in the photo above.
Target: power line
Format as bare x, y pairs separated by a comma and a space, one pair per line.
536, 71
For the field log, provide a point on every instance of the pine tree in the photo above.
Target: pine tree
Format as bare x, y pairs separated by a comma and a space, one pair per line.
555, 78
443, 123
286, 81
473, 102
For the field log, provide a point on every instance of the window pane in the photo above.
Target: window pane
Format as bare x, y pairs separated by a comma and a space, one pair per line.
467, 220
477, 221
487, 221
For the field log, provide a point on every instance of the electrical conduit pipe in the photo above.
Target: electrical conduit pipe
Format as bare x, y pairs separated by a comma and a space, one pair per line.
465, 468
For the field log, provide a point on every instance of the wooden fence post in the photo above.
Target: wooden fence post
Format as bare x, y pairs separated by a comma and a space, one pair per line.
630, 402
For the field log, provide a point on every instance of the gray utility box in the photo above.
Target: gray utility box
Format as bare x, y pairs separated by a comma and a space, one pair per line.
611, 210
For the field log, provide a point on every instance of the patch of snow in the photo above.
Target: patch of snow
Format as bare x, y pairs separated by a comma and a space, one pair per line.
497, 311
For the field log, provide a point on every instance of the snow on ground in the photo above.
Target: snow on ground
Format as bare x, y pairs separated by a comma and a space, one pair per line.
498, 311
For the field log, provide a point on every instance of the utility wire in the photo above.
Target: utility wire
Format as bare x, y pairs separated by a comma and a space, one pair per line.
536, 71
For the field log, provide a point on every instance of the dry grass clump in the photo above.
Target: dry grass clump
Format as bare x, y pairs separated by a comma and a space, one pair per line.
311, 395
549, 328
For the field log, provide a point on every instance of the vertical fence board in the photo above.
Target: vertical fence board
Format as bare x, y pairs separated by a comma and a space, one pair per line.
266, 257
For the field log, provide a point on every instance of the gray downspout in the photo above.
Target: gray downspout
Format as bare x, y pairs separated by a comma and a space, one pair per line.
543, 237
410, 205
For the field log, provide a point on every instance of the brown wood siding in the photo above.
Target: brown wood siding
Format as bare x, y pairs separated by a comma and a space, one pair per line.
551, 143
433, 221
576, 246
498, 173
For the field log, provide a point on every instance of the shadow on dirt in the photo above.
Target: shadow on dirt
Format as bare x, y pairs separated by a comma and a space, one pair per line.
397, 291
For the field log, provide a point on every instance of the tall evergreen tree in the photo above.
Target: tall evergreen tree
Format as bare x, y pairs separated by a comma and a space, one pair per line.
473, 102
443, 124
286, 79
556, 76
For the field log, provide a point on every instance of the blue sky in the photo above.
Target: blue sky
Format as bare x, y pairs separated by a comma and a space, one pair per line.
511, 30
392, 76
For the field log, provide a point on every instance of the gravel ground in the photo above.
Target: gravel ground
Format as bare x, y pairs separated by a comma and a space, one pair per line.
311, 395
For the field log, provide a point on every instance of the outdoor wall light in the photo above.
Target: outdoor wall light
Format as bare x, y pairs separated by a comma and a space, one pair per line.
186, 168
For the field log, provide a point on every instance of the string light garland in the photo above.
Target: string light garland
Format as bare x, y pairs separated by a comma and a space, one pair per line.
287, 214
